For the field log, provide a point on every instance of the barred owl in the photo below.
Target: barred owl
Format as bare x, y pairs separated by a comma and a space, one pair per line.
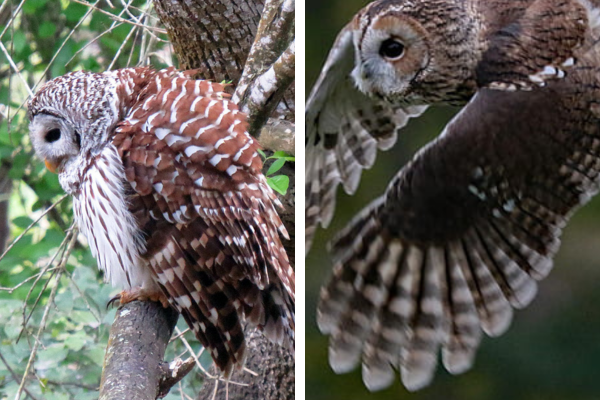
168, 190
467, 228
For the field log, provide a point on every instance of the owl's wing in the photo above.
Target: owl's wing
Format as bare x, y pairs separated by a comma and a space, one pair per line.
460, 237
538, 46
209, 216
344, 129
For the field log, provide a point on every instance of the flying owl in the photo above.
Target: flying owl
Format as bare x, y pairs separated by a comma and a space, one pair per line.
467, 228
168, 190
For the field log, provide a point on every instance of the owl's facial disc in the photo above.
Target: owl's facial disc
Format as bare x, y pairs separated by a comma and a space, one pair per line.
390, 54
54, 140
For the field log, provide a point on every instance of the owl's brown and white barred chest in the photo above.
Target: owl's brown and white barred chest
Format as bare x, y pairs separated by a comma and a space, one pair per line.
168, 190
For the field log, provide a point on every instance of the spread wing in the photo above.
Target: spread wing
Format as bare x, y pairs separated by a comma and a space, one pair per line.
461, 236
344, 129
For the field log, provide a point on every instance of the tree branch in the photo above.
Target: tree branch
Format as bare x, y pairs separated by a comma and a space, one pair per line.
136, 347
278, 135
265, 78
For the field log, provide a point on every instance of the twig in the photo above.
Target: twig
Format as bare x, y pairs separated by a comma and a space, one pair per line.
116, 18
12, 289
118, 53
44, 318
84, 297
13, 16
173, 373
174, 338
15, 376
62, 249
191, 351
32, 225
15, 68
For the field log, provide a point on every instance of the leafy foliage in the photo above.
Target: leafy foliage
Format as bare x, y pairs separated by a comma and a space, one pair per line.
279, 183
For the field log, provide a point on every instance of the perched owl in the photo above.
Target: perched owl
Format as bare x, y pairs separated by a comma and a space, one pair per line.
465, 230
168, 190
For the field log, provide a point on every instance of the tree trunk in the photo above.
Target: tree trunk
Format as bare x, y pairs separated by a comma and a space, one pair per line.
213, 36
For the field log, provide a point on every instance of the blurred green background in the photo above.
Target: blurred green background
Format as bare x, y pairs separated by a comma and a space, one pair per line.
551, 351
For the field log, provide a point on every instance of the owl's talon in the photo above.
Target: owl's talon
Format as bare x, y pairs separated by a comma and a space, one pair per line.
112, 301
127, 296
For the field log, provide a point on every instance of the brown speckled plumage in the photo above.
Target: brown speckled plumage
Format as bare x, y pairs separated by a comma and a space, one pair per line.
467, 228
168, 189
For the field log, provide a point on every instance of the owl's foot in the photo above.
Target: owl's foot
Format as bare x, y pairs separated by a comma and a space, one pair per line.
127, 296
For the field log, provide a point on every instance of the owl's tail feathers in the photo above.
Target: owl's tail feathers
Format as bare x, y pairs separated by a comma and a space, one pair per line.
395, 303
280, 321
215, 321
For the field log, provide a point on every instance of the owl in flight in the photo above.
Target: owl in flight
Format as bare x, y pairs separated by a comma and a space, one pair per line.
168, 190
466, 229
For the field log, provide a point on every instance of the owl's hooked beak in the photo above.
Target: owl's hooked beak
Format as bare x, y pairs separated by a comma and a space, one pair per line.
51, 165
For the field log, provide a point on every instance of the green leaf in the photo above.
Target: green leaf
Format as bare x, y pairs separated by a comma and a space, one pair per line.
20, 162
22, 222
262, 154
76, 340
84, 318
276, 166
96, 354
47, 29
31, 6
5, 152
279, 183
19, 41
51, 356
75, 12
282, 155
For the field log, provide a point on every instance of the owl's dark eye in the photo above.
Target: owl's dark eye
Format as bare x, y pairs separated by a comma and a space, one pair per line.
78, 139
53, 135
391, 49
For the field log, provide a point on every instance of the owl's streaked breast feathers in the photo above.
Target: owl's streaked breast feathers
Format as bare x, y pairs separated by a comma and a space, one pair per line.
169, 192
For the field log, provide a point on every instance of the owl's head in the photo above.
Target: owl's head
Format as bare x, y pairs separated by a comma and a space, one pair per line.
404, 48
72, 116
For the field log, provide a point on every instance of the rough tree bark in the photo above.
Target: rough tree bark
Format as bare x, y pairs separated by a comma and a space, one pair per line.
133, 362
216, 36
275, 380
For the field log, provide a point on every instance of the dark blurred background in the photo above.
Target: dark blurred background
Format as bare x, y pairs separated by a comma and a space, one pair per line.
551, 351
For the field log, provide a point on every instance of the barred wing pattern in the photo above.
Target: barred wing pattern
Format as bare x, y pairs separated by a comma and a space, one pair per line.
344, 130
168, 190
461, 236
208, 212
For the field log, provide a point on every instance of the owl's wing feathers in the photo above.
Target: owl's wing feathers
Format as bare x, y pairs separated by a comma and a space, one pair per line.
344, 129
205, 189
460, 237
536, 47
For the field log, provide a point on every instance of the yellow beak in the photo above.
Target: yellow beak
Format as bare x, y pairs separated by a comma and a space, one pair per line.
51, 166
